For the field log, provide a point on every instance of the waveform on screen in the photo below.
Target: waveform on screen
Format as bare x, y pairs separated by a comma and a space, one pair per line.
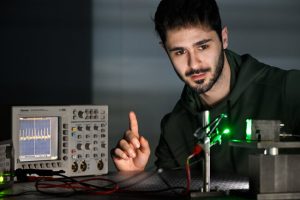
35, 136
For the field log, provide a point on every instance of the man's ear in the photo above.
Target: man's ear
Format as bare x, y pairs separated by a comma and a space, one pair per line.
225, 37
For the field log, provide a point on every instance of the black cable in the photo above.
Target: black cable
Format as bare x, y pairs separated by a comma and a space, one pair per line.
88, 188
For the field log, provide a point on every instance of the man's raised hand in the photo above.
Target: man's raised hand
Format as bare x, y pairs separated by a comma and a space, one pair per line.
132, 151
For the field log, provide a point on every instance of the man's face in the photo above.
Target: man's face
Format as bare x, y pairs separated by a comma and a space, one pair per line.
197, 56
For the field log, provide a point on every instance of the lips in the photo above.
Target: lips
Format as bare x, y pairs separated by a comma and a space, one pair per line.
197, 77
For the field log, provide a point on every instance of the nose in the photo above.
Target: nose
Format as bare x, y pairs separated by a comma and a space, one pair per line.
193, 60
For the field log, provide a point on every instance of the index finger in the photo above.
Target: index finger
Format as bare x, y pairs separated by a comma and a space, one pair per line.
133, 123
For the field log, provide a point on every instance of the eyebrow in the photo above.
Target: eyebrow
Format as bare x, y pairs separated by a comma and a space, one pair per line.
201, 42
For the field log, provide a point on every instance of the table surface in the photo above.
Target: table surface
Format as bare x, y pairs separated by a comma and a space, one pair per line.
132, 185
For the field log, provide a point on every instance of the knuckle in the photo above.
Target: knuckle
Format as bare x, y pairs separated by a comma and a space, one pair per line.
123, 144
128, 134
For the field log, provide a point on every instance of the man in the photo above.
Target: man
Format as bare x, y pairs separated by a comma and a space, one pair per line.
216, 79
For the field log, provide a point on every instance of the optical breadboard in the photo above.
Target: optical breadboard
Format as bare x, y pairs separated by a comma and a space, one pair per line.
72, 138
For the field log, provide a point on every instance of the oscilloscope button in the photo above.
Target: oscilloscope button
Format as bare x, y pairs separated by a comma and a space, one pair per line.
88, 127
65, 144
96, 127
79, 146
79, 128
65, 157
87, 146
80, 114
73, 151
65, 126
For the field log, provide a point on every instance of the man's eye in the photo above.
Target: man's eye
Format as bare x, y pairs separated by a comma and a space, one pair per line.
179, 52
203, 47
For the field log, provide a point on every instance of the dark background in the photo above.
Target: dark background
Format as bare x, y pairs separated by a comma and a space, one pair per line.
45, 54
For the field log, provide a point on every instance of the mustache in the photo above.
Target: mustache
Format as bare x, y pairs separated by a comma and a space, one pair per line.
197, 71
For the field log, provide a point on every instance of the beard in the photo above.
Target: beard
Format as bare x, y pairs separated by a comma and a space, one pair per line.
201, 87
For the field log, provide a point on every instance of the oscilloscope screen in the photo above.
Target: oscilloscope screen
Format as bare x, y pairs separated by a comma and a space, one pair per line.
38, 138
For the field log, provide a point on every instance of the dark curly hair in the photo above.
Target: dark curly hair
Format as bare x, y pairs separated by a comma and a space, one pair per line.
172, 14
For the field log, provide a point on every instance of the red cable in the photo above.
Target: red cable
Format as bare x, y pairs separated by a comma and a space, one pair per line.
89, 189
197, 150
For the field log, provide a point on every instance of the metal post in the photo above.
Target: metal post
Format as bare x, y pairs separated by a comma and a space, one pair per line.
206, 173
206, 183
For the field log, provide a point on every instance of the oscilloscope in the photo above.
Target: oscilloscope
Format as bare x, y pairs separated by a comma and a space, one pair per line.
72, 138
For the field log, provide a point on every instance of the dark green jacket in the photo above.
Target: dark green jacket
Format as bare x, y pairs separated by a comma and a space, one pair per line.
258, 91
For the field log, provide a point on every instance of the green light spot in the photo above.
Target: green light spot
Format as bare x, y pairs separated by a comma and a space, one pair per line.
1, 179
248, 129
226, 131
